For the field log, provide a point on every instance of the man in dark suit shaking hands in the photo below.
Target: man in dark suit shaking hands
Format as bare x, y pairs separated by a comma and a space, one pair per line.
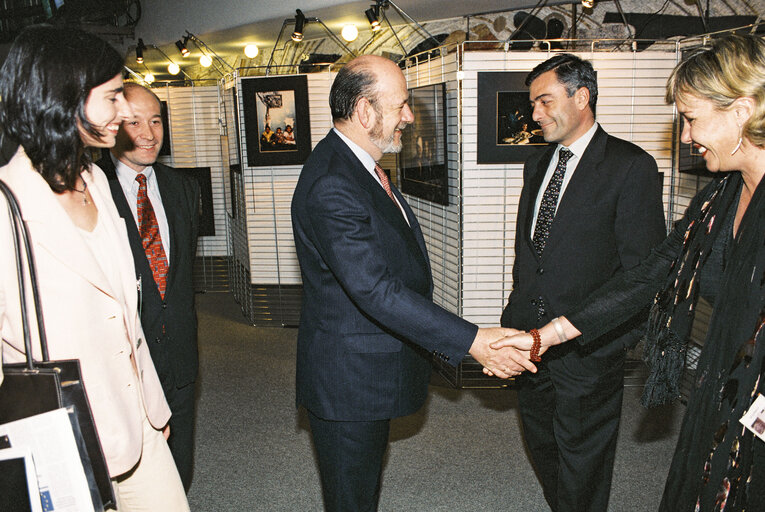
368, 326
590, 208
160, 207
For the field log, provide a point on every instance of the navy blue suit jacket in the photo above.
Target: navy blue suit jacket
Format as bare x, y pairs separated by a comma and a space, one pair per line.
368, 325
170, 325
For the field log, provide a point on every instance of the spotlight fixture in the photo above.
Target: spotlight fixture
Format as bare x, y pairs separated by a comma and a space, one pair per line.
139, 51
181, 45
148, 78
205, 61
251, 51
588, 4
297, 34
173, 68
350, 32
373, 15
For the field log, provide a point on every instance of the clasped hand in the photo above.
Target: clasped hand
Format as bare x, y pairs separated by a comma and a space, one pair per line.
503, 352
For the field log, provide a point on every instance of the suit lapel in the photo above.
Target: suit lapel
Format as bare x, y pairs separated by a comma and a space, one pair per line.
382, 204
169, 196
533, 188
579, 190
414, 228
50, 226
141, 262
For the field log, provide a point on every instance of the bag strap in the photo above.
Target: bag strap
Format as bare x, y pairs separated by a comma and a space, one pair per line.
21, 238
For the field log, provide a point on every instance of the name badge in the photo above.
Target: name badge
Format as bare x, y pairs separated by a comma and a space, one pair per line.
754, 418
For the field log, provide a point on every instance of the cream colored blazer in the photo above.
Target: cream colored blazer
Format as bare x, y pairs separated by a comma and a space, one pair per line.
84, 318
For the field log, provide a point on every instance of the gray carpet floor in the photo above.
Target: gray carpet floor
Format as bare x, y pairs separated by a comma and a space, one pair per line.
461, 452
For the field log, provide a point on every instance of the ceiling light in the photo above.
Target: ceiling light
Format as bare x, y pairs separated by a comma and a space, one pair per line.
251, 51
297, 35
139, 51
181, 45
173, 68
588, 4
373, 15
350, 33
148, 78
205, 61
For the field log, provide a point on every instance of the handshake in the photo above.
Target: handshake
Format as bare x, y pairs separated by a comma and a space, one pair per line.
506, 353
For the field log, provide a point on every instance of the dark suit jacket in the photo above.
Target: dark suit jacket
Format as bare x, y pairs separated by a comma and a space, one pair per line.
609, 218
368, 324
174, 348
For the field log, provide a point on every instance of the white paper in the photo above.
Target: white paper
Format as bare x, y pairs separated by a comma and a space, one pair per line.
60, 476
754, 418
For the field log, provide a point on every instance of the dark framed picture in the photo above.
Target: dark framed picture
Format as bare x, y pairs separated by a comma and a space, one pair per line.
506, 131
206, 215
276, 120
166, 149
422, 161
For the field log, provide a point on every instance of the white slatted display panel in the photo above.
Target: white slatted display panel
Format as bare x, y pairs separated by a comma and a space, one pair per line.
630, 105
267, 193
441, 224
193, 117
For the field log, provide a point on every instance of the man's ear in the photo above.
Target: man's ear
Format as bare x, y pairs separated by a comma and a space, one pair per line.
582, 97
366, 113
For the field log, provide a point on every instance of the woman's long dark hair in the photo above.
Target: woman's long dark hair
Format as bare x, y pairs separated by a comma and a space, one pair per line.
44, 85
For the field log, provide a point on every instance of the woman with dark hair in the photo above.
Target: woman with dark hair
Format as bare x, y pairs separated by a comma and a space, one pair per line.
716, 252
61, 93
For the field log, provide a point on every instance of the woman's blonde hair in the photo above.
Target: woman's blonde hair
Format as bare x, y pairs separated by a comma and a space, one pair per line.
733, 67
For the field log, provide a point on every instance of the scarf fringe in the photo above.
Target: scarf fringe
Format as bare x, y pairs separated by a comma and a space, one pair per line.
665, 354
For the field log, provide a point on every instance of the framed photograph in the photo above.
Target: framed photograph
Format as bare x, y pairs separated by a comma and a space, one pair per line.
506, 132
276, 120
422, 161
166, 149
206, 216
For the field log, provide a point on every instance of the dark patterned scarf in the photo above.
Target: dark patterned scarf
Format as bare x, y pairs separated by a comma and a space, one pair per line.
712, 466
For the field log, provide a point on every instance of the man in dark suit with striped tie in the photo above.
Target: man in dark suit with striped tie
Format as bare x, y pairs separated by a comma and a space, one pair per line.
368, 327
161, 210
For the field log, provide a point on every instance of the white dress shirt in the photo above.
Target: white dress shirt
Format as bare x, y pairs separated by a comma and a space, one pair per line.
577, 148
369, 164
126, 177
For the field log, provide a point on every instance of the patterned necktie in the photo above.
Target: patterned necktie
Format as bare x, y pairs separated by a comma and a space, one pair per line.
385, 181
549, 202
148, 227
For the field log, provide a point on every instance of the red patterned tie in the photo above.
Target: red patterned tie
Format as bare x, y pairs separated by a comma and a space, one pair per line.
152, 242
385, 181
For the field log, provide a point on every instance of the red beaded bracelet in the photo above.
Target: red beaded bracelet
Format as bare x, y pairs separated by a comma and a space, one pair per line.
534, 356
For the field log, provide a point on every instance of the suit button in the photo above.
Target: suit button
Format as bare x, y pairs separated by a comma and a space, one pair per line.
164, 305
533, 302
158, 340
540, 271
446, 357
